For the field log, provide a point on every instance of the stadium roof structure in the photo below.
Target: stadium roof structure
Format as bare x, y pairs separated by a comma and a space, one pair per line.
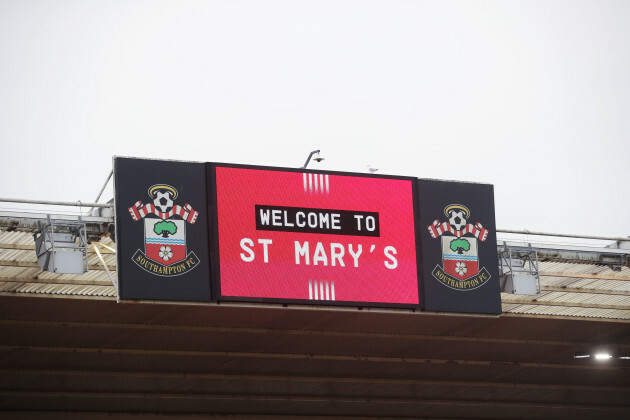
69, 350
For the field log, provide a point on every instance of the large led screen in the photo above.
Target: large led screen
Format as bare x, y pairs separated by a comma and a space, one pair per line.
315, 237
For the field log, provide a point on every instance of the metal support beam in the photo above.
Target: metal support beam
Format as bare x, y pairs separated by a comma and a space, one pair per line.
28, 264
100, 257
584, 290
335, 379
584, 276
311, 357
29, 219
283, 398
566, 304
164, 328
55, 203
104, 185
564, 235
67, 282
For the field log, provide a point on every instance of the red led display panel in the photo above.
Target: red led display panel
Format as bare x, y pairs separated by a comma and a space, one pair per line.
315, 237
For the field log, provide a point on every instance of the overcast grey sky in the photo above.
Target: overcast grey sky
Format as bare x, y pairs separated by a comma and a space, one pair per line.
533, 96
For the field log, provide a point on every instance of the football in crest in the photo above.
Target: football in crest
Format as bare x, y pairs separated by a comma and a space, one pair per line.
457, 220
163, 201
163, 196
457, 215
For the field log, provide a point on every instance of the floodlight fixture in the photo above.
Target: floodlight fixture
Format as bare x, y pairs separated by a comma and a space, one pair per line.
317, 159
581, 355
603, 355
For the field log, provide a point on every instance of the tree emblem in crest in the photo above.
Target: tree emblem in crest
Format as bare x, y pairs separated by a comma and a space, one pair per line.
460, 258
165, 252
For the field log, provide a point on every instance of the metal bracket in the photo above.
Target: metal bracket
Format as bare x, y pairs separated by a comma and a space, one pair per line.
100, 257
61, 247
614, 261
518, 267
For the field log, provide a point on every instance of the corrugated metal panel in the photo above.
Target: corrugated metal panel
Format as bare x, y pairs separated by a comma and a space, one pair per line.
588, 283
570, 311
579, 268
17, 255
30, 279
57, 289
20, 279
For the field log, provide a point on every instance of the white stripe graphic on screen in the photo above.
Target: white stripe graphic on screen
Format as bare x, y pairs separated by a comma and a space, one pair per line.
317, 183
320, 290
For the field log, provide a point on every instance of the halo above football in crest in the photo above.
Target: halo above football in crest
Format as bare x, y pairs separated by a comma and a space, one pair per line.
454, 207
162, 188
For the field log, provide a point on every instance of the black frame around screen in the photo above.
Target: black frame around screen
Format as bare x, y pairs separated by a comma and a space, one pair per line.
213, 235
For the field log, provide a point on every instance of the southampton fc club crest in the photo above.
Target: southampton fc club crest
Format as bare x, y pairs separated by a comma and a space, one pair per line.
460, 259
165, 252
